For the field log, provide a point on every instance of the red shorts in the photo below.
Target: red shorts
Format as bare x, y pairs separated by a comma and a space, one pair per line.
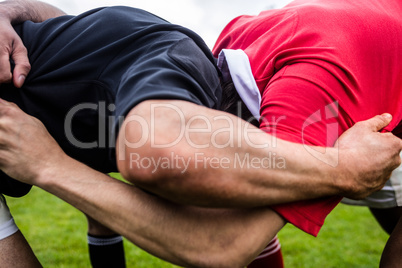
297, 109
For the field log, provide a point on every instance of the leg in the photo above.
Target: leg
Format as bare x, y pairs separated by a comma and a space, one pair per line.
391, 257
14, 249
388, 218
105, 246
16, 252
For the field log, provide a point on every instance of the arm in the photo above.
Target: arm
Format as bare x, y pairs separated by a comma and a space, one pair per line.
17, 11
14, 12
204, 173
183, 235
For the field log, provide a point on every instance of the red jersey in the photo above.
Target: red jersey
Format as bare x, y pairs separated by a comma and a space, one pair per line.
317, 63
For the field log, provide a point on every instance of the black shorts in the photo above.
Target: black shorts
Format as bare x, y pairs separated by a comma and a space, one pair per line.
88, 71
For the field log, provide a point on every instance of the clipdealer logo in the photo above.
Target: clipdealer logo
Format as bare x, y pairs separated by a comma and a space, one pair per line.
203, 161
326, 116
189, 128
184, 128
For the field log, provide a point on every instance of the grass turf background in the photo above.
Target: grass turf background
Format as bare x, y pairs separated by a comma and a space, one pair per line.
57, 233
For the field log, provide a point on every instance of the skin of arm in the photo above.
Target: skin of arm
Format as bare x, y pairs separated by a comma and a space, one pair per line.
203, 138
184, 235
14, 12
309, 176
139, 209
202, 183
17, 11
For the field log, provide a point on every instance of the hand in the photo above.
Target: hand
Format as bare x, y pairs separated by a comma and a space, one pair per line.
26, 147
11, 46
367, 156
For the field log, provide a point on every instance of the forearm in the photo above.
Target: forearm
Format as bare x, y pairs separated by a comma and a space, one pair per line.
17, 11
183, 235
218, 160
249, 176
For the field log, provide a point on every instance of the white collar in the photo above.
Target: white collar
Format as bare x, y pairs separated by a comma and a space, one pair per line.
236, 65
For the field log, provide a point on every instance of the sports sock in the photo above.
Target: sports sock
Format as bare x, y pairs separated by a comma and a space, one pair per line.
271, 256
106, 251
7, 224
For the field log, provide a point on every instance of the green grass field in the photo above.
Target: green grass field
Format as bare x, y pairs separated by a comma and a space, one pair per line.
57, 234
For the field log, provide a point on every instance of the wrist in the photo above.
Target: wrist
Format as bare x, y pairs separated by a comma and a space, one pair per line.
332, 171
55, 171
49, 172
343, 176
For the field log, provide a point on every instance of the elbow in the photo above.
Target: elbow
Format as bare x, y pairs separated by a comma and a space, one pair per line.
142, 168
153, 149
142, 157
151, 167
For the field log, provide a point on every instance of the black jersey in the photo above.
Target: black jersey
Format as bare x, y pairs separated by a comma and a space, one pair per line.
89, 71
